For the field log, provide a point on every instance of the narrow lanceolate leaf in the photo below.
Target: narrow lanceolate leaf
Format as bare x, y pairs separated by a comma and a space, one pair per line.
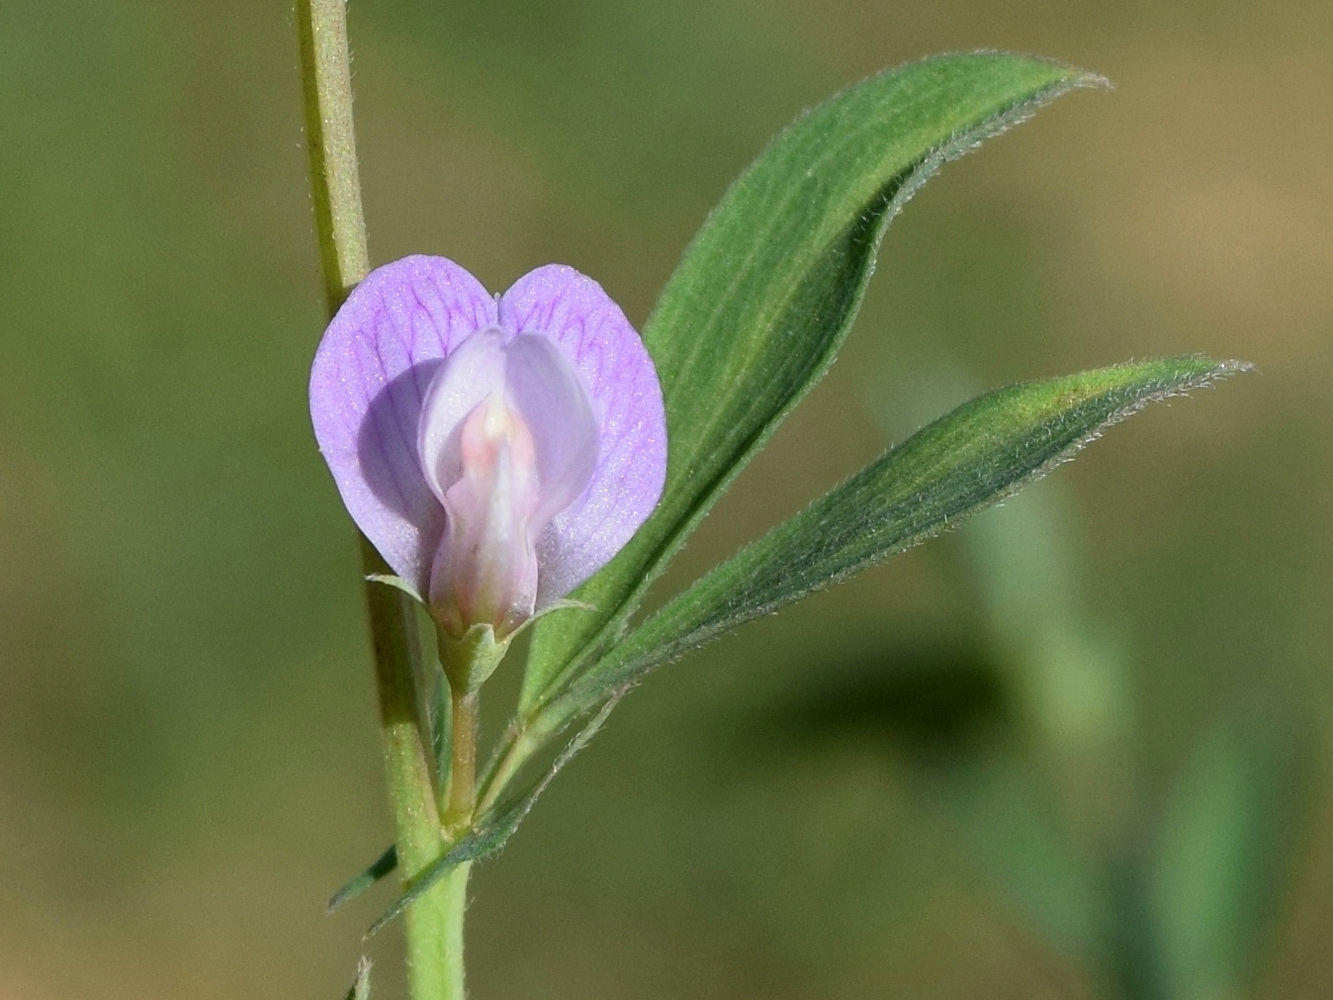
972, 458
375, 871
495, 829
761, 300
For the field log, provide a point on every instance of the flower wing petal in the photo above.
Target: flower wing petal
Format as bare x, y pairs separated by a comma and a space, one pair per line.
572, 310
555, 405
473, 370
367, 384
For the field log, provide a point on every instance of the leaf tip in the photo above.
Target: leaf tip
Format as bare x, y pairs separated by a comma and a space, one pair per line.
1073, 78
361, 988
376, 870
1086, 79
1068, 76
1233, 366
1208, 371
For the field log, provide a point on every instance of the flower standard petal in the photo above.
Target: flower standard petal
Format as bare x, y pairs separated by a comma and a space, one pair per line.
592, 332
366, 389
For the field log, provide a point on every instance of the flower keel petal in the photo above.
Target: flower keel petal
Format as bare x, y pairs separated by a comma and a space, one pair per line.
485, 571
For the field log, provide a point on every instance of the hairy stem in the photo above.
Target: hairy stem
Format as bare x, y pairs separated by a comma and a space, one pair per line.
335, 180
463, 762
457, 819
434, 922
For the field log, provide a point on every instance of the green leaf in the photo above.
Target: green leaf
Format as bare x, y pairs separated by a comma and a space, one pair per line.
767, 291
375, 871
972, 458
1226, 852
495, 829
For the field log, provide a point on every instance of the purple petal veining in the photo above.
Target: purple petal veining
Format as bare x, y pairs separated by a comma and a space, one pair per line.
369, 377
571, 309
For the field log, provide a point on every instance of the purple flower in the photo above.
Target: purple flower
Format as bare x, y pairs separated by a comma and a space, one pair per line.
496, 451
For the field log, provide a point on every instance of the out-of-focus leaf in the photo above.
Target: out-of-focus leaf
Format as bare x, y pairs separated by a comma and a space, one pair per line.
1224, 855
767, 291
932, 701
494, 829
1011, 826
361, 988
963, 462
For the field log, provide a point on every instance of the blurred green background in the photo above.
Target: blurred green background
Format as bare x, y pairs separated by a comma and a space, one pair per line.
1077, 749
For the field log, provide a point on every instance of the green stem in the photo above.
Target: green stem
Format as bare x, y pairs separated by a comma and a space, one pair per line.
453, 900
335, 181
434, 922
456, 820
463, 762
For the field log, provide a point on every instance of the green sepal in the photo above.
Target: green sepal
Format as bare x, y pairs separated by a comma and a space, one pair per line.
470, 660
441, 724
563, 604
397, 583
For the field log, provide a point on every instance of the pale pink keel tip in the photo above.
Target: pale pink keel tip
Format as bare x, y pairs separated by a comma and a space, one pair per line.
497, 454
